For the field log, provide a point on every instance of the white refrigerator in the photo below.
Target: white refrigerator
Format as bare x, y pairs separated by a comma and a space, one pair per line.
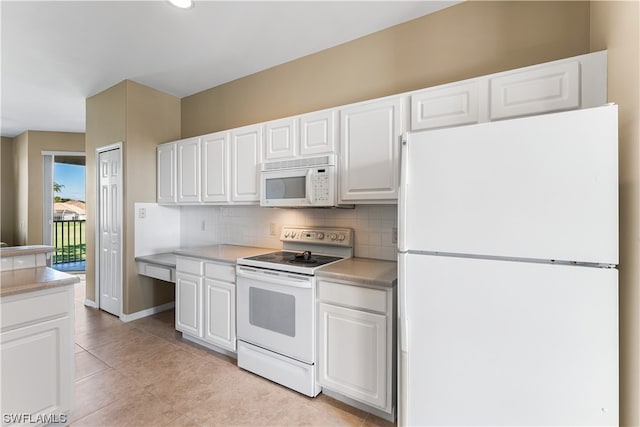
508, 287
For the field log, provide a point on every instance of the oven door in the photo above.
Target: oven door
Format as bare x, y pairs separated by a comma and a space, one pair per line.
276, 311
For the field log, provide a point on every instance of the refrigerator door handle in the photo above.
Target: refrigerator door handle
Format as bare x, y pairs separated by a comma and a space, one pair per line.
402, 196
403, 319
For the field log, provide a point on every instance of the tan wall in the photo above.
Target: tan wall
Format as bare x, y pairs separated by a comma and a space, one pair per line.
152, 117
105, 125
614, 26
21, 174
141, 118
463, 41
7, 191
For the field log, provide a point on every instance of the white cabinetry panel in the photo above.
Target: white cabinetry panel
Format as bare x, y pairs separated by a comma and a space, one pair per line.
539, 90
317, 133
188, 316
166, 173
189, 171
220, 313
353, 356
215, 167
370, 144
281, 139
246, 156
449, 105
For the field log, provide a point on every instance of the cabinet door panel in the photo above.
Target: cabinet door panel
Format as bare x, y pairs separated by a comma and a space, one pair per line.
220, 313
189, 171
215, 167
317, 133
246, 154
540, 90
166, 173
370, 144
353, 353
451, 105
188, 304
37, 368
281, 139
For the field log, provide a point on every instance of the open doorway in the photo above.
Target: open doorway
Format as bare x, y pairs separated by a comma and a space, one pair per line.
65, 211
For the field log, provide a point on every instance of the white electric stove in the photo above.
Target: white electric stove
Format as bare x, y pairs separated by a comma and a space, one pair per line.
276, 310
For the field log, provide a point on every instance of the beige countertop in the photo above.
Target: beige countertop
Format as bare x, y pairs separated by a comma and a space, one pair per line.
223, 253
33, 279
367, 271
25, 250
167, 259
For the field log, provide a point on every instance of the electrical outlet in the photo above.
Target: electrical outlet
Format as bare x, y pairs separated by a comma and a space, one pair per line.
203, 226
142, 213
394, 234
273, 229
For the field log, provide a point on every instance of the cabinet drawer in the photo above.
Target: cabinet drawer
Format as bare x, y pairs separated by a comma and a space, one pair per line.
35, 307
353, 296
225, 273
191, 266
158, 272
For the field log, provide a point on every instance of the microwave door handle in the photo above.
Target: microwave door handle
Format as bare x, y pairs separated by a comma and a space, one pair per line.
309, 187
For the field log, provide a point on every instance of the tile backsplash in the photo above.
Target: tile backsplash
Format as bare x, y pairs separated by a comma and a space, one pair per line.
374, 226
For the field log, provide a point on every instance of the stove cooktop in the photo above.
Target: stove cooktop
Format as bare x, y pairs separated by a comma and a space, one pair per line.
295, 258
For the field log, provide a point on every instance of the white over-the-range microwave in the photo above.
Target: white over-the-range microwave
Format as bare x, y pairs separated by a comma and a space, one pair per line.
305, 182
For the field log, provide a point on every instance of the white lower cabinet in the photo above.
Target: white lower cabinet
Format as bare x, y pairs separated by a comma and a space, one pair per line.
188, 312
220, 313
37, 353
206, 302
355, 348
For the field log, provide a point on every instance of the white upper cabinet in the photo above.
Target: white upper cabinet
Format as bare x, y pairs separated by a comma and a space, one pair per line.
281, 139
318, 133
246, 156
166, 173
535, 90
449, 105
369, 151
189, 170
566, 84
215, 167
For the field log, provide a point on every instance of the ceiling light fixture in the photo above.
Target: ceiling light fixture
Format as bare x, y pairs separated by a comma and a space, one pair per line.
182, 4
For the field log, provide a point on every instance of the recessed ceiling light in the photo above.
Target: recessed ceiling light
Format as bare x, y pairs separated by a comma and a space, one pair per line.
183, 4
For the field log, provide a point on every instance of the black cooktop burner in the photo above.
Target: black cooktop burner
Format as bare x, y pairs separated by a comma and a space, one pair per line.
286, 257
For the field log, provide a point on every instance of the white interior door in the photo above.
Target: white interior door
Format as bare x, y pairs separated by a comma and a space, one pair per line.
110, 230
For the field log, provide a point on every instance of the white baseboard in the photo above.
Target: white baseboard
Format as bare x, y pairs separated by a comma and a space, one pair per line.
148, 312
90, 303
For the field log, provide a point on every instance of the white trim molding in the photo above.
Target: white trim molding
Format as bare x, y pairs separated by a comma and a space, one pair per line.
148, 312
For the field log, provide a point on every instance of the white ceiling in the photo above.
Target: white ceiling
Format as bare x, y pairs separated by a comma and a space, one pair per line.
57, 53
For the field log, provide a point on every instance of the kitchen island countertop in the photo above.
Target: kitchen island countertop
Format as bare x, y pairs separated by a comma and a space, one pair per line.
367, 271
14, 282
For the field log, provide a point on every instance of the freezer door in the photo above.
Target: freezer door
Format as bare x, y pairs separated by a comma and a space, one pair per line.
542, 187
507, 343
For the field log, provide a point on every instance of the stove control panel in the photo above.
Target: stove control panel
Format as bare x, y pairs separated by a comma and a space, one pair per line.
324, 235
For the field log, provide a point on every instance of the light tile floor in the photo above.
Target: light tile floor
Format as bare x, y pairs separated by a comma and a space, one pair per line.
143, 373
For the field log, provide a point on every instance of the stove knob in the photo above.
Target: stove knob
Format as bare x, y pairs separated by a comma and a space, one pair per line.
333, 236
293, 234
341, 237
320, 236
286, 234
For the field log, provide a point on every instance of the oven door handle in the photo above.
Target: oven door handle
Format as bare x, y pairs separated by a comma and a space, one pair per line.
274, 277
